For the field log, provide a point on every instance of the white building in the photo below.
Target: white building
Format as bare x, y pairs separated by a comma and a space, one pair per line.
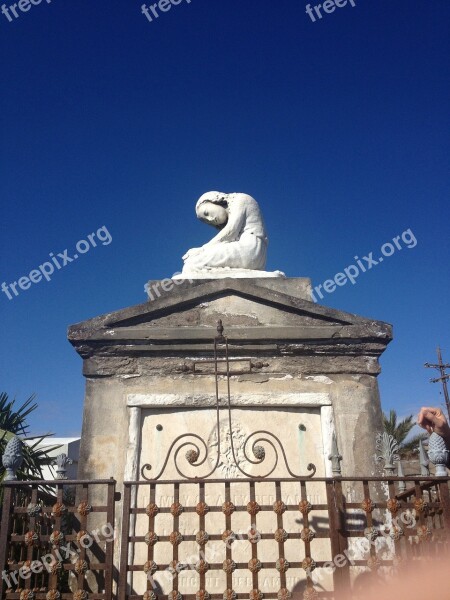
68, 446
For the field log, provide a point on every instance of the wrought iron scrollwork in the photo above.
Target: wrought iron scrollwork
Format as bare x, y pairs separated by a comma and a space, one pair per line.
256, 443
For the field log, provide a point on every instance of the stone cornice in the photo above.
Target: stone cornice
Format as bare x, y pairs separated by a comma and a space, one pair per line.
136, 331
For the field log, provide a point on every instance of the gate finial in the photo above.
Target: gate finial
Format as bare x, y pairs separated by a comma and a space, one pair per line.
424, 460
335, 457
220, 329
387, 447
12, 458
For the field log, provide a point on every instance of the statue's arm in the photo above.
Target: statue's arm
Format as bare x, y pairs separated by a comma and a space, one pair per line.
232, 230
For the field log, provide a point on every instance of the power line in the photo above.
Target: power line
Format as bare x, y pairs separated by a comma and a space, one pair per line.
441, 367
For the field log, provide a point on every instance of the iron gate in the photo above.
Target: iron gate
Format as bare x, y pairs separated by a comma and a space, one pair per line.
254, 537
57, 540
205, 538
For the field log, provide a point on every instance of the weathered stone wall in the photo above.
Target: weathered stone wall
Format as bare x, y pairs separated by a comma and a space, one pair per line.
304, 372
288, 346
354, 400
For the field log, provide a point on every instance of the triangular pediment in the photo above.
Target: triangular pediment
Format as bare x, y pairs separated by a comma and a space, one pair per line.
249, 310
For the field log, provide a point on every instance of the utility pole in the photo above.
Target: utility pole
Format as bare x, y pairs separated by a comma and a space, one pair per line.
443, 378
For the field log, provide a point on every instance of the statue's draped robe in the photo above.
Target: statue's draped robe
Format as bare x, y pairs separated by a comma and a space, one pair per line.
241, 244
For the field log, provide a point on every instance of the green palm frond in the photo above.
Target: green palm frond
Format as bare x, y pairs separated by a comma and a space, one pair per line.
13, 422
400, 431
15, 419
390, 423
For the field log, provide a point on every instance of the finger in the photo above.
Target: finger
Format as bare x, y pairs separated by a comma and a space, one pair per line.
425, 421
432, 409
425, 424
434, 415
421, 416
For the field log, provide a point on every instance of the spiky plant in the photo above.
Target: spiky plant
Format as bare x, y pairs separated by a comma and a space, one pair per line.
400, 430
13, 422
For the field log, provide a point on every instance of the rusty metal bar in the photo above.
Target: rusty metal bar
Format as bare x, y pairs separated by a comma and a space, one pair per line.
333, 524
5, 530
393, 505
338, 538
202, 552
279, 509
253, 526
151, 527
444, 496
83, 497
369, 519
229, 542
54, 482
123, 574
432, 480
305, 523
109, 554
32, 527
344, 572
176, 525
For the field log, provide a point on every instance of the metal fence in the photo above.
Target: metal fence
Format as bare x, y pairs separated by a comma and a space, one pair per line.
282, 537
201, 538
217, 538
56, 541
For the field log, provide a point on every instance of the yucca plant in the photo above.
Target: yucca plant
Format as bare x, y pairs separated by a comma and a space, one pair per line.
400, 430
13, 422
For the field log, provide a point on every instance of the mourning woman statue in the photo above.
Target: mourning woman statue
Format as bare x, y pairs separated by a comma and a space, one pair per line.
240, 245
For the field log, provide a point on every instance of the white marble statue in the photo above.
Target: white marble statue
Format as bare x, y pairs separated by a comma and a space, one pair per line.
240, 247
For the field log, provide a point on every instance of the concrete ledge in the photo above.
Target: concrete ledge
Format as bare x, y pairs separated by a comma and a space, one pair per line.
306, 399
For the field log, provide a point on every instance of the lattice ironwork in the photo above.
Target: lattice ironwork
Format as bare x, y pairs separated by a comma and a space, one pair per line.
255, 537
397, 529
289, 542
57, 544
221, 545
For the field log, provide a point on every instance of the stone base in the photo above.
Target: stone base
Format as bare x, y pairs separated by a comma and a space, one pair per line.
297, 287
299, 371
224, 272
288, 352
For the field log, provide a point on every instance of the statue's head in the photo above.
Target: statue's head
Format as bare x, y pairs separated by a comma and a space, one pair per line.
211, 208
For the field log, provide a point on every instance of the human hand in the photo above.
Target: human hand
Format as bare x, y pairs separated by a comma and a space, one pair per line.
433, 420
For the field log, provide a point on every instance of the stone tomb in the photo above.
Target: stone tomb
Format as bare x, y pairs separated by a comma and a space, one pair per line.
300, 370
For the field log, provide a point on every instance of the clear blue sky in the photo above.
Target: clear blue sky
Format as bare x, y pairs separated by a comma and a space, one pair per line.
339, 128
